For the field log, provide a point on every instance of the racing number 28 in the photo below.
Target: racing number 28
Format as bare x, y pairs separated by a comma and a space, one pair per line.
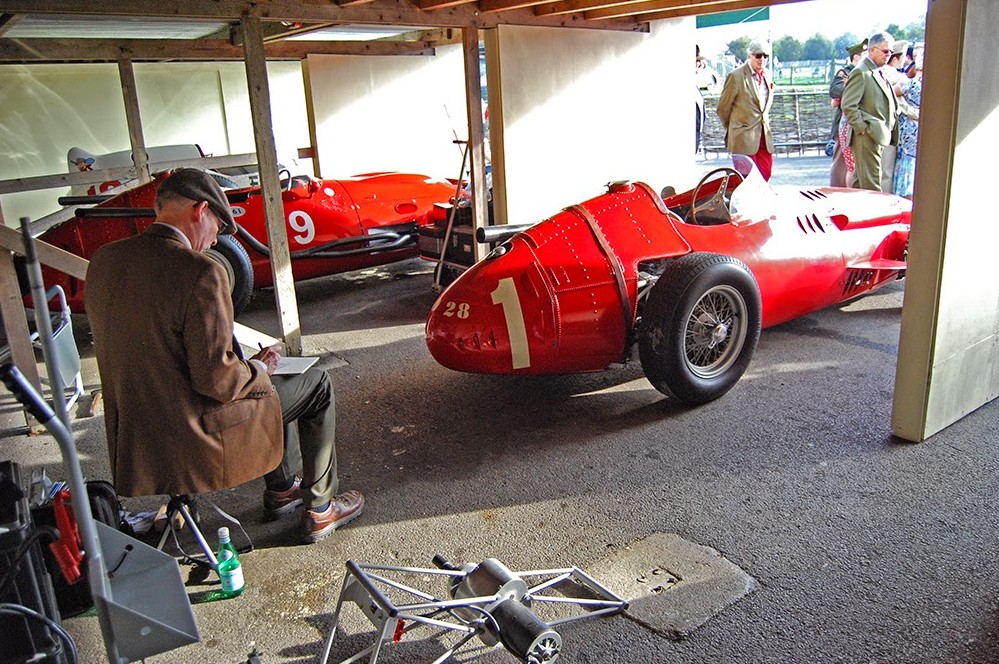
456, 309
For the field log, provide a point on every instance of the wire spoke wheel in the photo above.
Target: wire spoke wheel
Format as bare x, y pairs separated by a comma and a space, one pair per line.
699, 327
715, 333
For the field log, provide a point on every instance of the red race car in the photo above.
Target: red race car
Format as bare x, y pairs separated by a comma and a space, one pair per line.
690, 277
333, 226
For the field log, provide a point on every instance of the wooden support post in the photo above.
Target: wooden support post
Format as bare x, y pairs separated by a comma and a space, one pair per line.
128, 89
494, 82
473, 102
15, 323
270, 187
311, 116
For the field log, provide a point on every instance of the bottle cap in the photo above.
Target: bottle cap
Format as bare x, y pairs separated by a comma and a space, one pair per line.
224, 532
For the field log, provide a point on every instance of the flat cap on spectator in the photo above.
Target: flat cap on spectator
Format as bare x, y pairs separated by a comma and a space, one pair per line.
198, 186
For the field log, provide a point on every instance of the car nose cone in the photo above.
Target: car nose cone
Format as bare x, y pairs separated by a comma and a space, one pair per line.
495, 318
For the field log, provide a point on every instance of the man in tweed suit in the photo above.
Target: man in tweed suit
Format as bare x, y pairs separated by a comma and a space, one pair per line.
871, 110
184, 412
744, 109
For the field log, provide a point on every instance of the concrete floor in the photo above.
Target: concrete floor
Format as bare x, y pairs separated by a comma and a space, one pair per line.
863, 548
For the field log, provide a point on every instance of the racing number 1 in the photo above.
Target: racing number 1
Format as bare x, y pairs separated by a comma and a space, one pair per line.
505, 295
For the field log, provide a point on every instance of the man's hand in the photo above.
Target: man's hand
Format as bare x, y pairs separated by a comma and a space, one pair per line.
269, 356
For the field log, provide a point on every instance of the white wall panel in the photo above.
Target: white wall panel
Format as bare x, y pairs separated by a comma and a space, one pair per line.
584, 107
47, 109
964, 368
288, 114
949, 346
44, 111
389, 113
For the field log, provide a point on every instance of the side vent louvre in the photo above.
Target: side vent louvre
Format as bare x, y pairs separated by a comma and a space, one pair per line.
813, 194
858, 281
810, 224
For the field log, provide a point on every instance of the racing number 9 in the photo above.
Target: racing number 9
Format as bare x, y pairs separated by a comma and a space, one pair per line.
301, 222
506, 296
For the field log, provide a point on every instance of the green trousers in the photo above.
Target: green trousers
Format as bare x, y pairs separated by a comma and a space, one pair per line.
308, 410
867, 160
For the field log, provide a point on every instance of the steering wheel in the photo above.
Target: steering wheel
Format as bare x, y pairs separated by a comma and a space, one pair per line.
286, 187
718, 202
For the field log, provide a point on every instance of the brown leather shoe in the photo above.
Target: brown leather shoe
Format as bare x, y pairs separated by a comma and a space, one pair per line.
282, 503
343, 509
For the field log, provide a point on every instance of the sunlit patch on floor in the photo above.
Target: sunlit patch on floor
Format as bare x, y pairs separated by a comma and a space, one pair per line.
673, 586
639, 384
787, 367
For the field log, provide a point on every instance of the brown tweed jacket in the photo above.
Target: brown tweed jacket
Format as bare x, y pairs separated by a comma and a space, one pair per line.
184, 413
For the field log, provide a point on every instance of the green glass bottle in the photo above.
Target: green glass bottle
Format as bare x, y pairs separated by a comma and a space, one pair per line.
230, 570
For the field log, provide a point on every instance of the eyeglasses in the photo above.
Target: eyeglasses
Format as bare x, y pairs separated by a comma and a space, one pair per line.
886, 51
759, 56
218, 222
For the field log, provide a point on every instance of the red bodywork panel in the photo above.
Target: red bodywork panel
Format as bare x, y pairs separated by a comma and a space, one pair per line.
316, 212
563, 296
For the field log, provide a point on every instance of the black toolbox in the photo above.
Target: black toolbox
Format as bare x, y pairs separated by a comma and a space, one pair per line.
24, 638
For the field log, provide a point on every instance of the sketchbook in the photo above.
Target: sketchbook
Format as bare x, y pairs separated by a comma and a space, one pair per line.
289, 366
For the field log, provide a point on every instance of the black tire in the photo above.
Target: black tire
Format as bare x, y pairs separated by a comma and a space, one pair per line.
700, 327
231, 255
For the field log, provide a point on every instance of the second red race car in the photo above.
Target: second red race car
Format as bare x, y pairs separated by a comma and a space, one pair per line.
333, 226
690, 277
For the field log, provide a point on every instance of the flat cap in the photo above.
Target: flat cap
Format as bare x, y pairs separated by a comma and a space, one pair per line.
198, 186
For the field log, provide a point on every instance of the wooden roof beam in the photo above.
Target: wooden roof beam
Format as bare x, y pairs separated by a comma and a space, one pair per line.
504, 5
8, 21
662, 9
378, 12
69, 50
575, 6
278, 30
428, 5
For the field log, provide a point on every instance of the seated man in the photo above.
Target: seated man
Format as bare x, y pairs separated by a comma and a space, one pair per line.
184, 412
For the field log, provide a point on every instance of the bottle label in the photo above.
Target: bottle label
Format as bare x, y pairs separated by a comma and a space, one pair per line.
232, 579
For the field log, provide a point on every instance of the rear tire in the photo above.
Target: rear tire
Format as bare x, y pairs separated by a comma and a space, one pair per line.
700, 327
231, 255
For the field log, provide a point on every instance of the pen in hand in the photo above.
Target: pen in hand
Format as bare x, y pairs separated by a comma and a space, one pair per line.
269, 356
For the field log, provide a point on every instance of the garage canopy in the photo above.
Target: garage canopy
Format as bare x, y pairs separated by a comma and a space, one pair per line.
141, 30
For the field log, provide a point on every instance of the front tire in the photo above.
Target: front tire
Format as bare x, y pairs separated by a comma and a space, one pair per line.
233, 258
700, 327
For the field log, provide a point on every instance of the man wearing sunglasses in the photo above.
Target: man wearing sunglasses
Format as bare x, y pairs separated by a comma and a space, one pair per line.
872, 112
744, 109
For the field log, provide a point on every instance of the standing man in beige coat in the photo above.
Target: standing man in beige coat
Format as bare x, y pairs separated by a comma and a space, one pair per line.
871, 110
184, 412
744, 109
